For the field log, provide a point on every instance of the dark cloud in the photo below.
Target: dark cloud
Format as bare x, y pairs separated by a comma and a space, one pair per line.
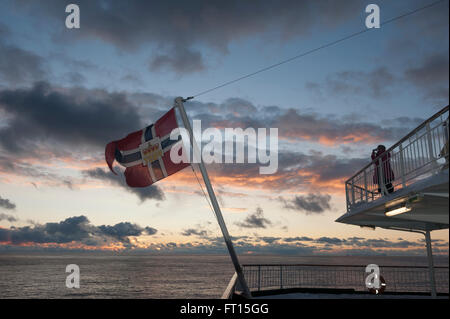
255, 220
150, 230
177, 28
180, 60
430, 25
310, 204
196, 232
73, 229
329, 240
121, 231
7, 217
381, 243
377, 83
144, 193
431, 77
6, 204
18, 66
75, 117
293, 239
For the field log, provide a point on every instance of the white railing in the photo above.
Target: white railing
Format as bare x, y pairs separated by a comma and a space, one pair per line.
419, 154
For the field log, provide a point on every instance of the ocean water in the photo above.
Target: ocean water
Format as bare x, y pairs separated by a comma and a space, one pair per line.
42, 275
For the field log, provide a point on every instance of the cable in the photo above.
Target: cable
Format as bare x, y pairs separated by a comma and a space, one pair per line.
315, 50
201, 187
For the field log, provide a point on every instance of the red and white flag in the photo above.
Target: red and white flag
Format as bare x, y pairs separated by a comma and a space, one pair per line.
146, 153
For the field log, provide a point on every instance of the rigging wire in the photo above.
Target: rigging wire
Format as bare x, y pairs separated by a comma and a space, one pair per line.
201, 187
315, 49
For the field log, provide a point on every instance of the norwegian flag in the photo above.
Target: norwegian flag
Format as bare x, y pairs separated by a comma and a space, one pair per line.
146, 153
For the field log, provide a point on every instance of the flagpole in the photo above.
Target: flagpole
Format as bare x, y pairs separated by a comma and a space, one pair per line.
179, 102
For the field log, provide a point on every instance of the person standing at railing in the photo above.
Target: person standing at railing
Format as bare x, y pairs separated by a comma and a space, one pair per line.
387, 174
444, 151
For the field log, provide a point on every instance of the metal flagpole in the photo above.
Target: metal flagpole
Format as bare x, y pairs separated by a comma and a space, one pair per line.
179, 102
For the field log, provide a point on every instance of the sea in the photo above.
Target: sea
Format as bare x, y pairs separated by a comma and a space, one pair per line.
122, 275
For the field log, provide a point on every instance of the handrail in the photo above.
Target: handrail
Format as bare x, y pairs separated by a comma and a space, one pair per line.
229, 291
339, 265
421, 126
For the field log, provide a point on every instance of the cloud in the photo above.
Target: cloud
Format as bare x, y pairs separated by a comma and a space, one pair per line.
17, 65
121, 231
295, 124
376, 83
196, 232
303, 246
71, 130
76, 230
294, 239
431, 77
255, 220
72, 118
7, 217
150, 230
381, 243
310, 204
314, 171
7, 204
78, 233
269, 239
329, 240
76, 117
143, 193
180, 60
178, 28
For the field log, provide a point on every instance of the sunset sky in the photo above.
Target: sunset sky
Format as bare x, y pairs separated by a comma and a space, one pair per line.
66, 93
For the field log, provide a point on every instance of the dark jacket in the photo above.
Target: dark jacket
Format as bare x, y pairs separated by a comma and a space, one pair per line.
387, 172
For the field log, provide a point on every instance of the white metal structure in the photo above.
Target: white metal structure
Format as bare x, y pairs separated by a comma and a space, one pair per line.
419, 200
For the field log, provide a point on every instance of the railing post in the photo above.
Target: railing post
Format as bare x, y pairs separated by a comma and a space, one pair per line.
402, 166
365, 186
259, 277
346, 196
281, 277
430, 147
353, 192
